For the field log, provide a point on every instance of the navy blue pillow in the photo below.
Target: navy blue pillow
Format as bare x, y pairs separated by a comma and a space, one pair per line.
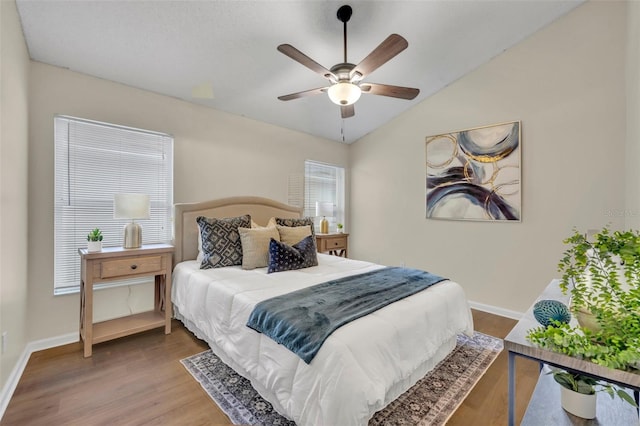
283, 257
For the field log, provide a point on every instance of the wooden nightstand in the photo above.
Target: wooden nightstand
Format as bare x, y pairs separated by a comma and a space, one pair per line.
117, 263
335, 244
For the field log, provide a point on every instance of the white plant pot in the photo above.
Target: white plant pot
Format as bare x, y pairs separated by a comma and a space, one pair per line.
94, 246
578, 404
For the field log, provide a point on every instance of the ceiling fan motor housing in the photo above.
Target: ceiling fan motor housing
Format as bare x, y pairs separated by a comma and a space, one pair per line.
342, 71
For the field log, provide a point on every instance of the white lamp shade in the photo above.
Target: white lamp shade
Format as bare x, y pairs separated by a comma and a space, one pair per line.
131, 206
344, 93
324, 208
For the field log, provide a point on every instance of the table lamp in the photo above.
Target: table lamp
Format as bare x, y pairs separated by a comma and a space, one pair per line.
324, 209
131, 206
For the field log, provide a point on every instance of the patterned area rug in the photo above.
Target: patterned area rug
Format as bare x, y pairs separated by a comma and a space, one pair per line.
431, 401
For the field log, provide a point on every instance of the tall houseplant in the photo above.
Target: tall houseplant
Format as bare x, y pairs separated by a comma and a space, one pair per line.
602, 276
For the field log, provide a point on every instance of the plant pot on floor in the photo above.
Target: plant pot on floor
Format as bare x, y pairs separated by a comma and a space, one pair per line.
578, 404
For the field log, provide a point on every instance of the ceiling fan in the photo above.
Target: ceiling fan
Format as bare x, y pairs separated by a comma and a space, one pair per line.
346, 78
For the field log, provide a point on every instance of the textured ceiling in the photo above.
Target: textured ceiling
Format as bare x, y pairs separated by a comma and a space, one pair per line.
170, 47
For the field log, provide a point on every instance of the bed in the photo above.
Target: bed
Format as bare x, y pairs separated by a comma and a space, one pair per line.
360, 368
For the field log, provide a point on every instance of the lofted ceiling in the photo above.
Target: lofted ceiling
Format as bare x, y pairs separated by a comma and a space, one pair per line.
194, 49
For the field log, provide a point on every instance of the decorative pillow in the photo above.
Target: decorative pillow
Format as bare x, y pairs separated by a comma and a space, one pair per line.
293, 234
221, 245
297, 222
255, 246
283, 257
270, 224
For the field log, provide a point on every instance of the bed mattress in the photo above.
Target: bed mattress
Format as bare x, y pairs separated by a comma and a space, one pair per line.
359, 369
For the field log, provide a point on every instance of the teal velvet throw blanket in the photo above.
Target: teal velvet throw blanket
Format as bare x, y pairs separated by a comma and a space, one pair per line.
302, 320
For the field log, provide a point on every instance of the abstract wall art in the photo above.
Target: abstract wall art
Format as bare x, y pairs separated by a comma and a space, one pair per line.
475, 174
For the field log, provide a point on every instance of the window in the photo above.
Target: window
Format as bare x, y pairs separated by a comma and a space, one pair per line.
324, 182
94, 161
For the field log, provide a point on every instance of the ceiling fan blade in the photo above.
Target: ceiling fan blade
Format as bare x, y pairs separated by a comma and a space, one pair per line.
388, 90
389, 48
347, 111
300, 57
303, 94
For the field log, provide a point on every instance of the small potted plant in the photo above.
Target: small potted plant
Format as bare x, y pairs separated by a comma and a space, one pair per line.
339, 226
94, 240
578, 393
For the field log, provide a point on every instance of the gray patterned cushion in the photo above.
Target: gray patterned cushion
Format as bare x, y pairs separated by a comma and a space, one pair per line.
283, 257
221, 245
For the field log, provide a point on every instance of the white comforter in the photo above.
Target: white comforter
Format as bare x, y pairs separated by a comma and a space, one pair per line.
361, 367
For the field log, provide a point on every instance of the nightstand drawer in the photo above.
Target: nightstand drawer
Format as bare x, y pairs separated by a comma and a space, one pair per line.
133, 266
333, 243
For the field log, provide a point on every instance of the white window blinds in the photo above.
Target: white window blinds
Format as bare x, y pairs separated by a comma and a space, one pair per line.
94, 161
324, 183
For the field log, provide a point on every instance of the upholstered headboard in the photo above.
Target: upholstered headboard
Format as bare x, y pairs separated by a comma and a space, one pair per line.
186, 229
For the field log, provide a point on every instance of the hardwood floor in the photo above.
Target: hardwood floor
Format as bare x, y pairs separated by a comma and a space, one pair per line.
138, 380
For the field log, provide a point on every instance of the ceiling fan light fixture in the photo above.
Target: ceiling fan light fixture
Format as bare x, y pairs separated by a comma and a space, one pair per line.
344, 93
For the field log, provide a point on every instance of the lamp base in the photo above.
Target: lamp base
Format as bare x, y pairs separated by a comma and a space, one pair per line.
132, 235
324, 226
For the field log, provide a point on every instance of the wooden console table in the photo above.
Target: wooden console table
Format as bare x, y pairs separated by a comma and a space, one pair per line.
117, 263
517, 344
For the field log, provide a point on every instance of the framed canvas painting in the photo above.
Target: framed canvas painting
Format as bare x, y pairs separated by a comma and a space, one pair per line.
475, 174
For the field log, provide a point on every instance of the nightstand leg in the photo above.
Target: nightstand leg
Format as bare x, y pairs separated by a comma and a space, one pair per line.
158, 297
87, 298
512, 388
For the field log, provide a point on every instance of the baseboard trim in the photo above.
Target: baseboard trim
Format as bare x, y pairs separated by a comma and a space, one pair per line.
496, 310
52, 342
12, 381
31, 347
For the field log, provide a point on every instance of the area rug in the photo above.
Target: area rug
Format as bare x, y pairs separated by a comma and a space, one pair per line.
431, 401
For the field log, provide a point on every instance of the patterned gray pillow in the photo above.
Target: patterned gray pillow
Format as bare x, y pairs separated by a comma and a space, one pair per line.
221, 244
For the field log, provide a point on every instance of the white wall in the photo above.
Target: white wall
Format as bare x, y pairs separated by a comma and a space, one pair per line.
14, 80
566, 83
215, 155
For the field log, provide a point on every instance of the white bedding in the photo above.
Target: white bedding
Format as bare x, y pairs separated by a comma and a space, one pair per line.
360, 368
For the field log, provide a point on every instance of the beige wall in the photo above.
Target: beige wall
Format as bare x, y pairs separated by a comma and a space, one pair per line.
216, 155
632, 210
14, 83
566, 84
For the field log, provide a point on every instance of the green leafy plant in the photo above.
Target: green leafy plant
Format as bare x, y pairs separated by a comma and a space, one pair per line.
588, 385
339, 225
603, 278
95, 235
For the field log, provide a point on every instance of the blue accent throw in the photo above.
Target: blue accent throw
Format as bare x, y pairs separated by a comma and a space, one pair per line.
302, 320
